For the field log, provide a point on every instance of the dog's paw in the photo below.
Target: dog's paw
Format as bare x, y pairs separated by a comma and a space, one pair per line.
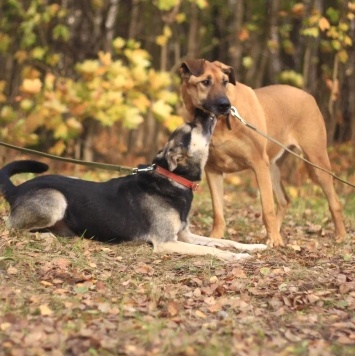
233, 257
275, 242
257, 247
240, 257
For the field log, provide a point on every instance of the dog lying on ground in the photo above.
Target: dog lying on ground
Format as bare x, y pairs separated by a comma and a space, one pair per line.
150, 206
288, 114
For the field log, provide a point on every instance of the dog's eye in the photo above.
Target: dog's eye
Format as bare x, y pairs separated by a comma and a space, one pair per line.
206, 82
224, 83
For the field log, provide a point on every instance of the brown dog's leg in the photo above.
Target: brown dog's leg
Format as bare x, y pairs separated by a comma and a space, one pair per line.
262, 173
282, 199
215, 183
325, 180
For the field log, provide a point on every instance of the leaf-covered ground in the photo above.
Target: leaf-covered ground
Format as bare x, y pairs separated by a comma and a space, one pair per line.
77, 297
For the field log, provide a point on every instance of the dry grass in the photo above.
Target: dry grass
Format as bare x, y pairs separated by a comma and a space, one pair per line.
76, 297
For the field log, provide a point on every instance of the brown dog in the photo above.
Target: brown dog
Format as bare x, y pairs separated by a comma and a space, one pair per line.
287, 114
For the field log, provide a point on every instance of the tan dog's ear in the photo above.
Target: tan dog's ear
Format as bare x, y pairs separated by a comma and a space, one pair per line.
227, 70
191, 67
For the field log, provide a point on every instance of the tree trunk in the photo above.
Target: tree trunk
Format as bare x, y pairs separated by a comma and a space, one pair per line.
235, 48
192, 43
274, 41
351, 71
110, 23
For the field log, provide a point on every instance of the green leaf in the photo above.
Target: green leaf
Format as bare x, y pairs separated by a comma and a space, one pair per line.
265, 271
166, 5
61, 32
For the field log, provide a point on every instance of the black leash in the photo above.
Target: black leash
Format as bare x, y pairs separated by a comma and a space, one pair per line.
109, 167
235, 113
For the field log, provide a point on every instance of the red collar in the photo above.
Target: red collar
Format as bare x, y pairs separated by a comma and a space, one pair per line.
187, 183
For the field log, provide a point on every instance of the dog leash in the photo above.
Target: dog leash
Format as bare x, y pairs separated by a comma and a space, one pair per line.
107, 166
111, 167
235, 113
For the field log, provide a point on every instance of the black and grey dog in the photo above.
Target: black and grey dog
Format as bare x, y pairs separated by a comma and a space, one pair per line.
152, 205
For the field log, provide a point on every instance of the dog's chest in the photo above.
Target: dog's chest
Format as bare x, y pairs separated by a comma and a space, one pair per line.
227, 153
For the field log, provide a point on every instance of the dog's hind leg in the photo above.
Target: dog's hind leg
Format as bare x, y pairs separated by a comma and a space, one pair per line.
215, 183
38, 210
281, 197
261, 168
184, 248
325, 180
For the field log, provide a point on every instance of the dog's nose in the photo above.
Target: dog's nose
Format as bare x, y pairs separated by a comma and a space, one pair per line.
223, 106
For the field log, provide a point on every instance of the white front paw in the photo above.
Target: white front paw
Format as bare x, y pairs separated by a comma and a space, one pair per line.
257, 247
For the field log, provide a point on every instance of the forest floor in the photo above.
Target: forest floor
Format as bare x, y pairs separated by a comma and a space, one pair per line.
63, 296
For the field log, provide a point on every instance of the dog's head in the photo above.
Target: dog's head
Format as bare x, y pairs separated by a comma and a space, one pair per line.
204, 85
186, 151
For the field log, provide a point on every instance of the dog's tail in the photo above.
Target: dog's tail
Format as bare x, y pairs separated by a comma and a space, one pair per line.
25, 166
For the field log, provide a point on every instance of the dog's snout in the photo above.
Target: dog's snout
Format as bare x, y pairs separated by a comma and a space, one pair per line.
223, 106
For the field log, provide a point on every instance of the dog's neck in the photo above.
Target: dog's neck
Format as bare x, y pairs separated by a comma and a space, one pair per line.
176, 178
192, 174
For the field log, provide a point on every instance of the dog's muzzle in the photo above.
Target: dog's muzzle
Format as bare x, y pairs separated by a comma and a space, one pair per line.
218, 107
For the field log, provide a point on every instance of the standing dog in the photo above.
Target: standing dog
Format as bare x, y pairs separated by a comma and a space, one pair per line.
287, 114
152, 205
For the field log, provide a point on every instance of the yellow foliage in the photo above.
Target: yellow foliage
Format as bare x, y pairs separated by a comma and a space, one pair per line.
49, 81
61, 131
2, 85
172, 122
88, 67
26, 104
108, 89
323, 24
31, 86
118, 43
58, 148
138, 57
292, 192
180, 17
74, 125
132, 118
168, 97
161, 110
141, 102
139, 75
56, 106
161, 40
2, 89
158, 80
33, 121
29, 72
7, 113
167, 31
21, 56
202, 4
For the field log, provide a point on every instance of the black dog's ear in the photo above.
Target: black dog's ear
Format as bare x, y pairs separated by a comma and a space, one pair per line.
172, 158
191, 67
227, 70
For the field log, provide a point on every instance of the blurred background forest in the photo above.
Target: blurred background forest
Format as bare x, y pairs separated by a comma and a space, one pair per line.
98, 79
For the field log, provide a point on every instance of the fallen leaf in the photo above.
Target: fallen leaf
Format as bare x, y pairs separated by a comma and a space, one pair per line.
173, 308
45, 310
12, 270
213, 279
200, 314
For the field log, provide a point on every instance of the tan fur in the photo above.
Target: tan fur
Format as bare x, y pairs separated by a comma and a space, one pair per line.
288, 114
